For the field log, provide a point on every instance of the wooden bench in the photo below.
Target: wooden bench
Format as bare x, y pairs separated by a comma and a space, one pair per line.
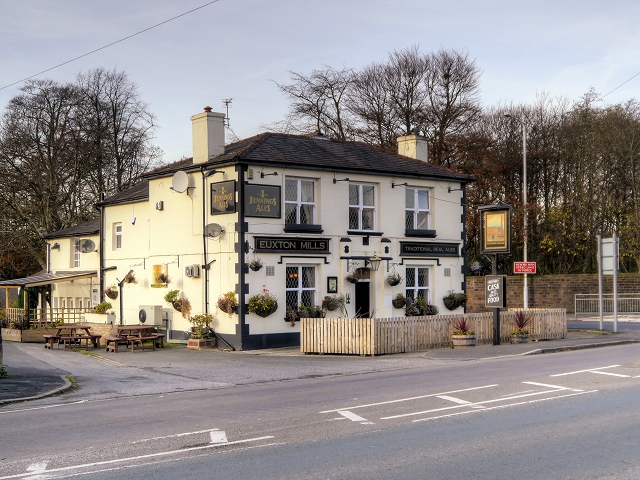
112, 343
159, 339
140, 342
49, 340
75, 341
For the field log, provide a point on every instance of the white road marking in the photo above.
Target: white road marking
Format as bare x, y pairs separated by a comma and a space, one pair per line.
408, 399
557, 387
502, 406
175, 435
499, 399
459, 400
139, 457
218, 436
516, 393
612, 374
353, 417
37, 467
583, 371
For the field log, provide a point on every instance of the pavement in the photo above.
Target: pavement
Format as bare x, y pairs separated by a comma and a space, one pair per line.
40, 375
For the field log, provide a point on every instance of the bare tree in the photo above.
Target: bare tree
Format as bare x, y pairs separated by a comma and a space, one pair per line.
318, 102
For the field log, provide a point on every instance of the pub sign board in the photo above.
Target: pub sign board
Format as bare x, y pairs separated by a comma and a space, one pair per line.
428, 249
262, 201
495, 291
495, 223
223, 197
291, 245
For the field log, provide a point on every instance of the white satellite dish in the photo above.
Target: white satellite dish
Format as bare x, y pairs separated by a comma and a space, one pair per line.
87, 245
213, 230
180, 181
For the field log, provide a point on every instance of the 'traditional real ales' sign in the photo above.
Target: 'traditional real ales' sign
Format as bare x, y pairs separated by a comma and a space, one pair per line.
429, 249
495, 291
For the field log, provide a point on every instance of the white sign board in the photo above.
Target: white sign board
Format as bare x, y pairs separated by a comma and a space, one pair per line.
609, 254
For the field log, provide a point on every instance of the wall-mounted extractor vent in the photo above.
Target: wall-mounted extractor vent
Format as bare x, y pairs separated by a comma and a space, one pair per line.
447, 272
271, 271
192, 271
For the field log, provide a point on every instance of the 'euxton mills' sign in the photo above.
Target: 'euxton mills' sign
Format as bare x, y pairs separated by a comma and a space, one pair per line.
291, 245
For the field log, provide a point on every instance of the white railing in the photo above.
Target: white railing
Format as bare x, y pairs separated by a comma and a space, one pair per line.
589, 303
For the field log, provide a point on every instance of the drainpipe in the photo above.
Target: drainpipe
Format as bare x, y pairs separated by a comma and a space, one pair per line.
101, 247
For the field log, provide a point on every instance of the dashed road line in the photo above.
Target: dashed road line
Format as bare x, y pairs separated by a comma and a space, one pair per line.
354, 418
459, 400
612, 374
557, 387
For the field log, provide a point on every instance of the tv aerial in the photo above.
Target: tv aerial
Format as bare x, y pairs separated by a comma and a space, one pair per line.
227, 105
213, 230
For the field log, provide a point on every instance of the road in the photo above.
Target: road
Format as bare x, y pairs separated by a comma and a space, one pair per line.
564, 415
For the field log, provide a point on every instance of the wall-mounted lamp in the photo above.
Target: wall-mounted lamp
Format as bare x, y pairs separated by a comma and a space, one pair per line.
209, 173
262, 174
449, 189
347, 298
374, 261
55, 246
394, 184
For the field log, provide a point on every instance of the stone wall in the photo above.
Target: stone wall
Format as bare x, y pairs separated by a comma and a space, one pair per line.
549, 291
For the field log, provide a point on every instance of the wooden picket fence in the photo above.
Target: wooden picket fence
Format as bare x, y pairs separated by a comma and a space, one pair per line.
379, 336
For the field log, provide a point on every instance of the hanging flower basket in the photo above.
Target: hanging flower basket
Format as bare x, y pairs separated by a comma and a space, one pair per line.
228, 303
111, 292
399, 301
263, 304
454, 300
332, 303
394, 279
130, 278
255, 264
163, 278
352, 277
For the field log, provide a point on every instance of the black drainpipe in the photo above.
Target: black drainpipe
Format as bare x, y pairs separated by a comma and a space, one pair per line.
205, 265
241, 228
101, 247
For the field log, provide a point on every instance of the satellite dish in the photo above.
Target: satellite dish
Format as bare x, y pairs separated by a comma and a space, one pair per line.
213, 230
142, 315
87, 246
180, 181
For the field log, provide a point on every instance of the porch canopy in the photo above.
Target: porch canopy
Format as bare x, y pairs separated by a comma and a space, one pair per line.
47, 278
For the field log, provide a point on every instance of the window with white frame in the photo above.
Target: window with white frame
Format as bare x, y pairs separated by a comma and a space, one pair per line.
417, 209
417, 283
117, 236
362, 207
299, 201
301, 286
75, 252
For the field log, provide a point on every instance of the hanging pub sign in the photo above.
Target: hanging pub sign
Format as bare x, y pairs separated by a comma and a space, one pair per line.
290, 245
262, 201
495, 291
429, 249
223, 197
495, 222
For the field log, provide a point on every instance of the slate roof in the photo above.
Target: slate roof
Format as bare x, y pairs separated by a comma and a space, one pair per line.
279, 149
92, 227
136, 193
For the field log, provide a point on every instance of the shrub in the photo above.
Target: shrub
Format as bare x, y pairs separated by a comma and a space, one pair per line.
520, 321
462, 326
201, 324
102, 307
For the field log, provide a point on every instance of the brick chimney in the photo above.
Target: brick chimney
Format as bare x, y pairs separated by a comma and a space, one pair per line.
414, 146
208, 135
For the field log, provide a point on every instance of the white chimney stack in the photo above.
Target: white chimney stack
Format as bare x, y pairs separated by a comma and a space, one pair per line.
208, 135
414, 146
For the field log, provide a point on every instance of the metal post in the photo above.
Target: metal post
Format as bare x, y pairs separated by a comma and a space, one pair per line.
496, 311
615, 283
524, 199
600, 298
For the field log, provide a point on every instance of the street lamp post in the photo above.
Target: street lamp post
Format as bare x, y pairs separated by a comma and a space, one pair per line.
524, 197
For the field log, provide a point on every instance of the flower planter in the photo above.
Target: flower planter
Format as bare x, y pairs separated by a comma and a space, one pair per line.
452, 303
463, 341
266, 313
352, 280
255, 268
201, 343
519, 338
111, 294
100, 318
398, 302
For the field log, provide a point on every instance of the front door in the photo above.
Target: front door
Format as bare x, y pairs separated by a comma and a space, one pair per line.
362, 299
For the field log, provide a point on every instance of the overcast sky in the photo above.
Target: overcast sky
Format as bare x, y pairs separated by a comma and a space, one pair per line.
238, 48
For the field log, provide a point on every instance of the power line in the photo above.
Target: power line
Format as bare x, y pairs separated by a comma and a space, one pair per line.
110, 44
618, 86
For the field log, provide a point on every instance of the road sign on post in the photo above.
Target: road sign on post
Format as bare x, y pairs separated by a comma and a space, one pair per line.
524, 267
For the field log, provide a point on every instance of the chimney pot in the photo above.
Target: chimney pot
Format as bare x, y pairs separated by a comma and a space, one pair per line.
207, 108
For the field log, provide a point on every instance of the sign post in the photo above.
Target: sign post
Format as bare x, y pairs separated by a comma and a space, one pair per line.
495, 223
608, 264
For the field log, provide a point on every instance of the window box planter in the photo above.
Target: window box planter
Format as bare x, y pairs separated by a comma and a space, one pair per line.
420, 233
302, 228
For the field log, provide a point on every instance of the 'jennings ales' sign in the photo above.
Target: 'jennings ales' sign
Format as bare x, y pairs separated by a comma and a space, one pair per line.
262, 201
223, 197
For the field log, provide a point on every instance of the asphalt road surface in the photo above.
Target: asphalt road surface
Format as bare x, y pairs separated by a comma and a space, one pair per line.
570, 415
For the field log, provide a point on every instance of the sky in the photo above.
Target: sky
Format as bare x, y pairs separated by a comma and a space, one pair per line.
239, 49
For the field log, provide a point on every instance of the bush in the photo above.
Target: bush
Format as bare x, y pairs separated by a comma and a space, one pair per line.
201, 324
462, 326
102, 307
520, 321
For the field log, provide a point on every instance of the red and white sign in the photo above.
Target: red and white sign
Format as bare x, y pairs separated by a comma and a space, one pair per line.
524, 267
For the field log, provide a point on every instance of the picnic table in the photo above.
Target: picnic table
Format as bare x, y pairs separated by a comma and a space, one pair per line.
73, 336
135, 336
